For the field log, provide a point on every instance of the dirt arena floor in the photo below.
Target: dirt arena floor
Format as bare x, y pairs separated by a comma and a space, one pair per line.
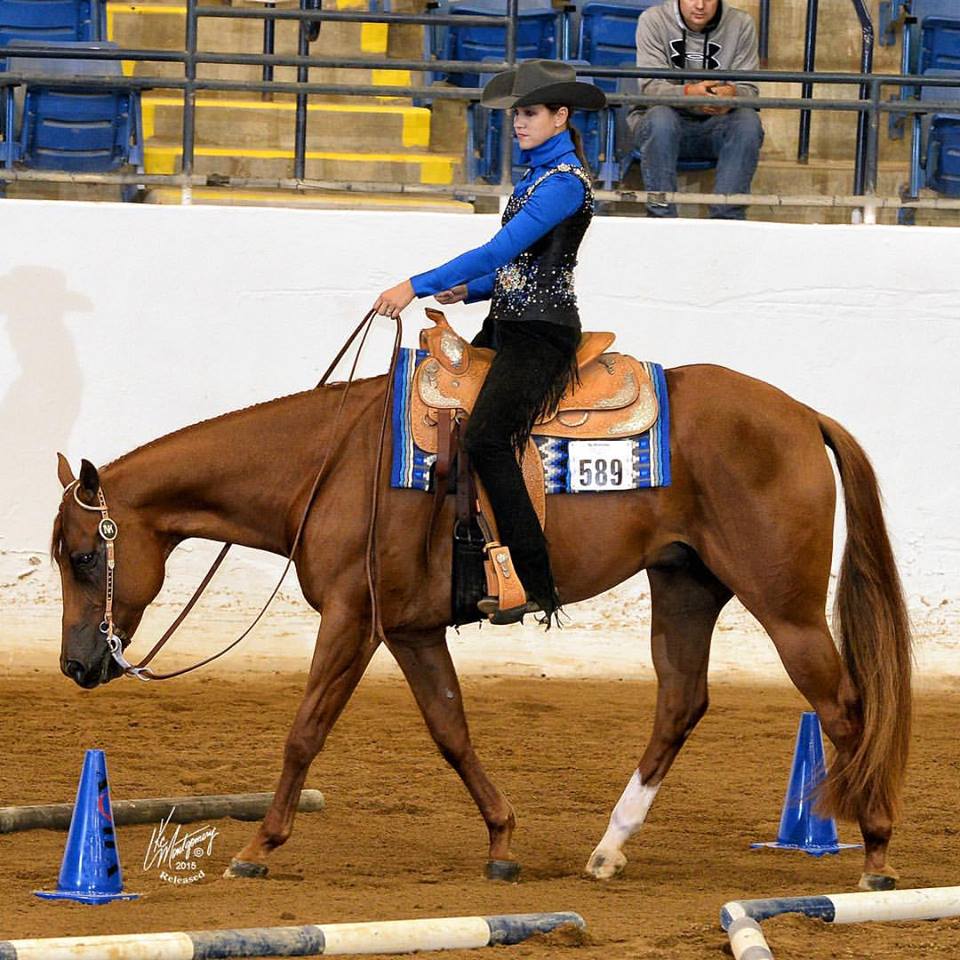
400, 837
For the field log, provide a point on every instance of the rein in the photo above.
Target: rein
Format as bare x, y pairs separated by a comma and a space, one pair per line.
108, 530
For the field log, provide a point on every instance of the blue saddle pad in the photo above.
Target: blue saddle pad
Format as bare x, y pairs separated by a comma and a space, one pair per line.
650, 462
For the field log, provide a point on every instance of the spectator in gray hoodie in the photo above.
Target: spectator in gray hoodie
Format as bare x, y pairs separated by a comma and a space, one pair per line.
697, 35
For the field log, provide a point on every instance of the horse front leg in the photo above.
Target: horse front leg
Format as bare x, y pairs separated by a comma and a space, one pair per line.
426, 664
342, 653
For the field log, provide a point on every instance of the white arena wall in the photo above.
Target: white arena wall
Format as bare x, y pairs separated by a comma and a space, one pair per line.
120, 323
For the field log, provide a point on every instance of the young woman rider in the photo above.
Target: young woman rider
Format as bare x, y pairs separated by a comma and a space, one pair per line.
526, 271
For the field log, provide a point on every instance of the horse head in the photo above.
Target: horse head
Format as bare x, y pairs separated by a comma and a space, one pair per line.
81, 536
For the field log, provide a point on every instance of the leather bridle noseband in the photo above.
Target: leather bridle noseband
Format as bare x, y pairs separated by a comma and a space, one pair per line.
108, 530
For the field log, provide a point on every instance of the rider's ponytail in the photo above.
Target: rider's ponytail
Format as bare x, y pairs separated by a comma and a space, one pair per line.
578, 147
574, 135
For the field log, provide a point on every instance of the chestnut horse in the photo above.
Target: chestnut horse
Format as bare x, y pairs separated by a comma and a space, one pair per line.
750, 513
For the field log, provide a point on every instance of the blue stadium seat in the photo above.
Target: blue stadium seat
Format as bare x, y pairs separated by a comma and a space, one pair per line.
73, 128
608, 36
918, 13
913, 12
940, 43
537, 32
50, 21
935, 157
936, 52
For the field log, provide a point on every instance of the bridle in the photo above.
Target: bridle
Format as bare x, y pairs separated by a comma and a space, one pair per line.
108, 530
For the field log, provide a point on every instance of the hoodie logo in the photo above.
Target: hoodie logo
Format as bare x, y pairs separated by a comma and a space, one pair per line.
678, 54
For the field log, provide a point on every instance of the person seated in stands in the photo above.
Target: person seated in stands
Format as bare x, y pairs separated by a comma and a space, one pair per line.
697, 35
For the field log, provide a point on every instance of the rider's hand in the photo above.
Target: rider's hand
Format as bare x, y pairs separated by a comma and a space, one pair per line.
392, 301
455, 294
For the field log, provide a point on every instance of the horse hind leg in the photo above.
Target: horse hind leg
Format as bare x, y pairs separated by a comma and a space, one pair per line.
686, 601
788, 598
341, 656
813, 664
428, 669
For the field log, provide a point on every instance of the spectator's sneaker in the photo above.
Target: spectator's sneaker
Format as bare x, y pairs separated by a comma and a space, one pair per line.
658, 211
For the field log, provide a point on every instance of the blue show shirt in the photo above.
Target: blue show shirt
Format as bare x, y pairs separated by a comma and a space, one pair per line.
557, 198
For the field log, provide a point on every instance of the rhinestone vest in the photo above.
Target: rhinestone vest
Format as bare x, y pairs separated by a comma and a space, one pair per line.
538, 284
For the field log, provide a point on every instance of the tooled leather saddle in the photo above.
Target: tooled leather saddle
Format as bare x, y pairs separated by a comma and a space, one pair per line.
614, 399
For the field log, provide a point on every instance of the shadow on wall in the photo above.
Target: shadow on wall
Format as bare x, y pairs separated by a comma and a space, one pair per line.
39, 408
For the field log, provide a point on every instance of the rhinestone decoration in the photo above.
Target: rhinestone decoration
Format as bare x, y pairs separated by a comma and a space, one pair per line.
526, 285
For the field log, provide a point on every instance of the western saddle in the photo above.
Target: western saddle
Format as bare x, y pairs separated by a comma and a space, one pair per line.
614, 399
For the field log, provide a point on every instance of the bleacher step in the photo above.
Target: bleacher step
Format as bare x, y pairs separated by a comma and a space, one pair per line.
325, 200
277, 162
255, 122
143, 24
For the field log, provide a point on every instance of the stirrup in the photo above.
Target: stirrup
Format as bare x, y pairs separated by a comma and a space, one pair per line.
490, 608
506, 600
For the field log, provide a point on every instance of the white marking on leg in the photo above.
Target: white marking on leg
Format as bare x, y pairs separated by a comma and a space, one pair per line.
607, 860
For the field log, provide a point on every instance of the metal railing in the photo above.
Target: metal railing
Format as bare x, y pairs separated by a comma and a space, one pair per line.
869, 103
809, 64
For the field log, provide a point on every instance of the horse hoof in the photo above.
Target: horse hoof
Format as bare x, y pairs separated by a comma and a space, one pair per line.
877, 881
245, 869
507, 870
604, 866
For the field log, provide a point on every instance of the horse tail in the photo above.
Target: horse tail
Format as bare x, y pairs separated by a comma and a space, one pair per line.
873, 628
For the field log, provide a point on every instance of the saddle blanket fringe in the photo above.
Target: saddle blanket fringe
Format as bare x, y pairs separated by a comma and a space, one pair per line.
411, 467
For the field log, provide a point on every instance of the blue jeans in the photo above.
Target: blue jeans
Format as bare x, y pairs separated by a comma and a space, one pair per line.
732, 139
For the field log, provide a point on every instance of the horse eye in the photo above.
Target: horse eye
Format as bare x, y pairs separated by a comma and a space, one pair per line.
84, 559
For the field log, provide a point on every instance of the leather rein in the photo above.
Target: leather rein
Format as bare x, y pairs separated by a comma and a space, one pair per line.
108, 530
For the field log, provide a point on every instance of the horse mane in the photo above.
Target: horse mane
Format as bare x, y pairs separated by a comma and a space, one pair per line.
56, 538
336, 385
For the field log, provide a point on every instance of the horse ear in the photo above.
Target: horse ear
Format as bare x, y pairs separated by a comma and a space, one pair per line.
89, 478
64, 473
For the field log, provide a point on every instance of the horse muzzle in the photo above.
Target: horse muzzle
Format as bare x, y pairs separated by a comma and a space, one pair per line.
89, 672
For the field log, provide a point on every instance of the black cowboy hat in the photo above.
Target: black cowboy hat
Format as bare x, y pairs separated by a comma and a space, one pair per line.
541, 81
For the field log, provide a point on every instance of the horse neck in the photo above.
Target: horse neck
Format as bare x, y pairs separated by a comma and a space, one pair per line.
237, 478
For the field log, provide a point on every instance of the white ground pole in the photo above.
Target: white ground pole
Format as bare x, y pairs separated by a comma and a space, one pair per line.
741, 918
390, 936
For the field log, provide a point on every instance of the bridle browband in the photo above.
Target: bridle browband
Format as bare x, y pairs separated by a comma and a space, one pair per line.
108, 530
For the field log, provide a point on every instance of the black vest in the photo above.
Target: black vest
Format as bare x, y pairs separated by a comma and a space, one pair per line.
538, 284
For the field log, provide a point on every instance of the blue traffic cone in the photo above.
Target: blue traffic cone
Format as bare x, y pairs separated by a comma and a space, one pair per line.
800, 827
90, 872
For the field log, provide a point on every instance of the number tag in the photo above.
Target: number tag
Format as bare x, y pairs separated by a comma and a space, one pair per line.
600, 465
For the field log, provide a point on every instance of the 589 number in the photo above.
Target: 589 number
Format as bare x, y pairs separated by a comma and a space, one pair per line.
601, 473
